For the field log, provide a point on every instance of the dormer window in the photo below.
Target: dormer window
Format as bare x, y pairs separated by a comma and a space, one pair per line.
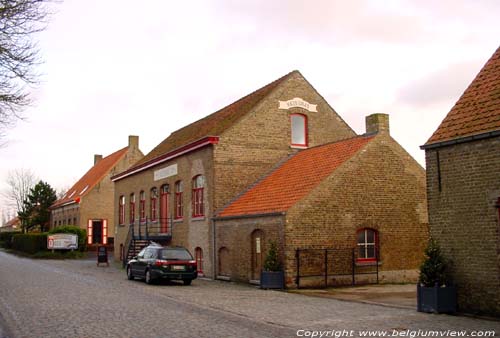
299, 130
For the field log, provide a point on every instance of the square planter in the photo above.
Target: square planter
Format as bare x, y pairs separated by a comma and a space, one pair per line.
436, 299
272, 279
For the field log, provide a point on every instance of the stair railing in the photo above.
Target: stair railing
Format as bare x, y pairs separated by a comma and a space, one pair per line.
128, 242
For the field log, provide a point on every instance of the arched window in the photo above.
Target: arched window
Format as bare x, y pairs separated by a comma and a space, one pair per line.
121, 210
198, 187
367, 244
179, 213
142, 206
132, 208
299, 130
198, 253
153, 205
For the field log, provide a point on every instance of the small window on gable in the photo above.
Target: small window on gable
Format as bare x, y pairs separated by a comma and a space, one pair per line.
367, 245
299, 130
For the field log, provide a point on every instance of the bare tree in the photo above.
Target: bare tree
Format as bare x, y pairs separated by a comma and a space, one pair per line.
20, 182
19, 21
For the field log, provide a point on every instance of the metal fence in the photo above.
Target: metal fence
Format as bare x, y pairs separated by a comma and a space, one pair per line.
334, 267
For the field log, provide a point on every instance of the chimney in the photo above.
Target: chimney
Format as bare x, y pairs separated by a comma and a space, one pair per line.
97, 158
133, 141
377, 123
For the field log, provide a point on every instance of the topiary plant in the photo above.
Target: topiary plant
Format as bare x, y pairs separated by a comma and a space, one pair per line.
433, 269
272, 262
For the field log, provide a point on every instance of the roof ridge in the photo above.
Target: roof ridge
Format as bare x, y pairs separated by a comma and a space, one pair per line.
239, 100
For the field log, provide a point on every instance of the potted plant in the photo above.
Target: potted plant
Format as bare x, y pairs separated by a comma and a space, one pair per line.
272, 277
434, 292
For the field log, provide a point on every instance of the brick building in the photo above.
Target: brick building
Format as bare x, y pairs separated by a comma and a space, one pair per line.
463, 190
89, 202
364, 192
174, 192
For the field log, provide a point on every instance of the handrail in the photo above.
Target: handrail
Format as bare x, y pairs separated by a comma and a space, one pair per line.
128, 241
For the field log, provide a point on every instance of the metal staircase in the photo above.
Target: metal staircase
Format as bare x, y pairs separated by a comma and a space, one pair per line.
142, 233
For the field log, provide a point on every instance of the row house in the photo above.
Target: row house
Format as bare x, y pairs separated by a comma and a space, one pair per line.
88, 204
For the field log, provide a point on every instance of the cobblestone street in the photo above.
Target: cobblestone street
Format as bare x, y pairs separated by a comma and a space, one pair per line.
41, 298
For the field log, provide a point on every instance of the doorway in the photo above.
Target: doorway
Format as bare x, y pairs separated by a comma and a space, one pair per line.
164, 209
257, 253
97, 232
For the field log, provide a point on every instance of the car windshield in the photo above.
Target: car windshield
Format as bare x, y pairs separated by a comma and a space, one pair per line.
175, 254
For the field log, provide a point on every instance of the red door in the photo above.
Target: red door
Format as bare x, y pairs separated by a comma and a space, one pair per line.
164, 209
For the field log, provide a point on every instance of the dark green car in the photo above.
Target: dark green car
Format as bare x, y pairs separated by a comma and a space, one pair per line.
156, 262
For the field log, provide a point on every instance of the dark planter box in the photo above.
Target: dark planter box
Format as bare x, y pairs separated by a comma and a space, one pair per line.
272, 279
436, 299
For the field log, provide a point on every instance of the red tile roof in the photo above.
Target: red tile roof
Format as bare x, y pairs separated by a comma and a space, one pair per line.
91, 178
13, 222
294, 179
478, 109
214, 124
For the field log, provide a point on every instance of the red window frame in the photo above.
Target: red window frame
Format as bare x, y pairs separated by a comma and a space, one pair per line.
153, 204
142, 206
198, 253
179, 210
121, 210
366, 245
306, 136
197, 196
132, 208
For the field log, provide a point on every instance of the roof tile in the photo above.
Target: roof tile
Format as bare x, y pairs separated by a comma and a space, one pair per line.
478, 109
295, 178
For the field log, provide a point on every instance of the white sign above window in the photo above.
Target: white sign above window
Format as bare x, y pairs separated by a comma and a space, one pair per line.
162, 173
298, 102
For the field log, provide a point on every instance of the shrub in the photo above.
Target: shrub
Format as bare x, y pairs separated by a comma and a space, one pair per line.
6, 239
30, 243
70, 229
433, 269
272, 263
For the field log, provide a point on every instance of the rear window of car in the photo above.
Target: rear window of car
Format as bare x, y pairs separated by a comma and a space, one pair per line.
175, 254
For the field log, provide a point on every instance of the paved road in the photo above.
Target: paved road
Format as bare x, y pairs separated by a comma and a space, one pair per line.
41, 298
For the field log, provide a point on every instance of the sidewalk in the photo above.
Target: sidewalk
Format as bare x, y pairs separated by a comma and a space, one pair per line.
393, 295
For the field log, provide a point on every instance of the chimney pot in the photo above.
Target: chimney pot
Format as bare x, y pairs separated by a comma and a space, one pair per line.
377, 123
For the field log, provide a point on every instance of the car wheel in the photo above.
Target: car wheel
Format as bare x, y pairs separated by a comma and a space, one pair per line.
130, 276
148, 279
187, 281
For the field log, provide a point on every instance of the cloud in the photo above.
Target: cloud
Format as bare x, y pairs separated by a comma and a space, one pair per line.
440, 86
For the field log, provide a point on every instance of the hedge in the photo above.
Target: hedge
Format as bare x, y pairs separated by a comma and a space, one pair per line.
30, 243
70, 229
6, 239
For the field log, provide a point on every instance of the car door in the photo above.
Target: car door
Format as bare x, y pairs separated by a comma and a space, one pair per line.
136, 264
149, 257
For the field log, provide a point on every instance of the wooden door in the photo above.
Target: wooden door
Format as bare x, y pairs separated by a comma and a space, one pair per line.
164, 209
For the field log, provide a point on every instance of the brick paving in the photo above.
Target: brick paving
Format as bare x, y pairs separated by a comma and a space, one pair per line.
41, 298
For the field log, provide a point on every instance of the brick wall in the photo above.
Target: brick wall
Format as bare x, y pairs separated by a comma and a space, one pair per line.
382, 188
236, 236
464, 220
262, 138
188, 232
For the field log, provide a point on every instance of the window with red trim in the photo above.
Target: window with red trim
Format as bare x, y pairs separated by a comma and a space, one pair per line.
198, 253
142, 206
121, 210
367, 245
153, 204
179, 213
298, 124
198, 187
132, 208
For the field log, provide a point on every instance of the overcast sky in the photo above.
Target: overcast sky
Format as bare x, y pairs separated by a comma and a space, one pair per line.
117, 67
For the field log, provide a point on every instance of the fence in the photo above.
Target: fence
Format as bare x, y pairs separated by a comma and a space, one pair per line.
334, 267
